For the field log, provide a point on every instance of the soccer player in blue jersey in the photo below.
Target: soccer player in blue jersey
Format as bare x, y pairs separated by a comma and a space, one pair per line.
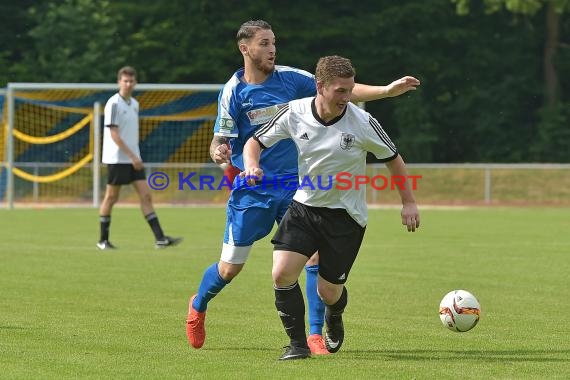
251, 97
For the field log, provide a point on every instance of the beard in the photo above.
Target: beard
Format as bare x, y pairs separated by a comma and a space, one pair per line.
266, 68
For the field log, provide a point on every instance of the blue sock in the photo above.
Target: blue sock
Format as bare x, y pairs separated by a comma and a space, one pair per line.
316, 305
212, 283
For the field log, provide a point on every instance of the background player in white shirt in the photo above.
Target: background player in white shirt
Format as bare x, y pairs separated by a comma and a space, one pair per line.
332, 136
122, 155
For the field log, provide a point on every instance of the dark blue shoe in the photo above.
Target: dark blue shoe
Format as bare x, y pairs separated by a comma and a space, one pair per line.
293, 353
334, 335
167, 241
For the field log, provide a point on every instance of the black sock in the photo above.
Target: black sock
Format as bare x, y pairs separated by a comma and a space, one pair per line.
105, 223
291, 309
152, 220
337, 309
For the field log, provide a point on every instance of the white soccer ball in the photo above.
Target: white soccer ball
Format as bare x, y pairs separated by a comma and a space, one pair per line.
459, 311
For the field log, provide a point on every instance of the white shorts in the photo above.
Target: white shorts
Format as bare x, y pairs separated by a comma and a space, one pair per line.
235, 255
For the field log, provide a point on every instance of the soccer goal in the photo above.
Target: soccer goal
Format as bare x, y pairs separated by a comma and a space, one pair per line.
50, 142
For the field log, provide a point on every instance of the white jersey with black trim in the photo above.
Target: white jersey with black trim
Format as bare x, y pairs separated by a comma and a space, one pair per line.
125, 115
330, 153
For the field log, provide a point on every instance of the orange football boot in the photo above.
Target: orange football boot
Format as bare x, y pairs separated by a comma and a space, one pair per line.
317, 345
195, 330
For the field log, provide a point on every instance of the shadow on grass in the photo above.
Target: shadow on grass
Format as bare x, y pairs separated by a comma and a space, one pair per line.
423, 355
13, 328
478, 355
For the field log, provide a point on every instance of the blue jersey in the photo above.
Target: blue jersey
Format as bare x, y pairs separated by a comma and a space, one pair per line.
243, 108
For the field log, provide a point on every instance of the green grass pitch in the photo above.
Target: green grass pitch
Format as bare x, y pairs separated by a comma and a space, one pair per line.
69, 311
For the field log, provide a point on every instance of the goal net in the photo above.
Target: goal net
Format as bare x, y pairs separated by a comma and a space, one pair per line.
51, 140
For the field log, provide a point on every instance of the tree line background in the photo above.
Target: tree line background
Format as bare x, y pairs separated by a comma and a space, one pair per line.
495, 73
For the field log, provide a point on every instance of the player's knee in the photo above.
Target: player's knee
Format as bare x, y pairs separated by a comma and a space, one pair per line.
111, 199
229, 271
282, 278
329, 293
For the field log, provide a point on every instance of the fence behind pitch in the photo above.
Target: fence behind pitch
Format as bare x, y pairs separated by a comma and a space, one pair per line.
50, 144
482, 184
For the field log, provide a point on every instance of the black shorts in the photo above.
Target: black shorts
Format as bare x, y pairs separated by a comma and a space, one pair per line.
332, 232
123, 174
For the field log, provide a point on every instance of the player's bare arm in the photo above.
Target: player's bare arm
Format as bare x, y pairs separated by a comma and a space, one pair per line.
136, 160
410, 214
251, 155
366, 93
220, 151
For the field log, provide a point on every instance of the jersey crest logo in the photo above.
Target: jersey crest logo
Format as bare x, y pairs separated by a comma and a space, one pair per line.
346, 141
226, 125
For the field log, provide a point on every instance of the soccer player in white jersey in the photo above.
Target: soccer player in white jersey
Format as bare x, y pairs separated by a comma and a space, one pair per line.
251, 97
332, 136
122, 155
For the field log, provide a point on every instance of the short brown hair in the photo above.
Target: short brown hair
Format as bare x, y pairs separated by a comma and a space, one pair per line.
334, 66
126, 70
248, 29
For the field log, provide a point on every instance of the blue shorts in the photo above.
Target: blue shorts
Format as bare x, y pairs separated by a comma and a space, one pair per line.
252, 212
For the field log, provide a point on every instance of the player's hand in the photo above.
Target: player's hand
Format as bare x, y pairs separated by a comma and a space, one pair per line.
402, 85
138, 164
252, 175
222, 154
410, 216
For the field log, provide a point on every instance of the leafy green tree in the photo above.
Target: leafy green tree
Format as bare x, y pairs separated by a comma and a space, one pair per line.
552, 14
186, 42
552, 117
465, 109
14, 40
487, 92
74, 41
